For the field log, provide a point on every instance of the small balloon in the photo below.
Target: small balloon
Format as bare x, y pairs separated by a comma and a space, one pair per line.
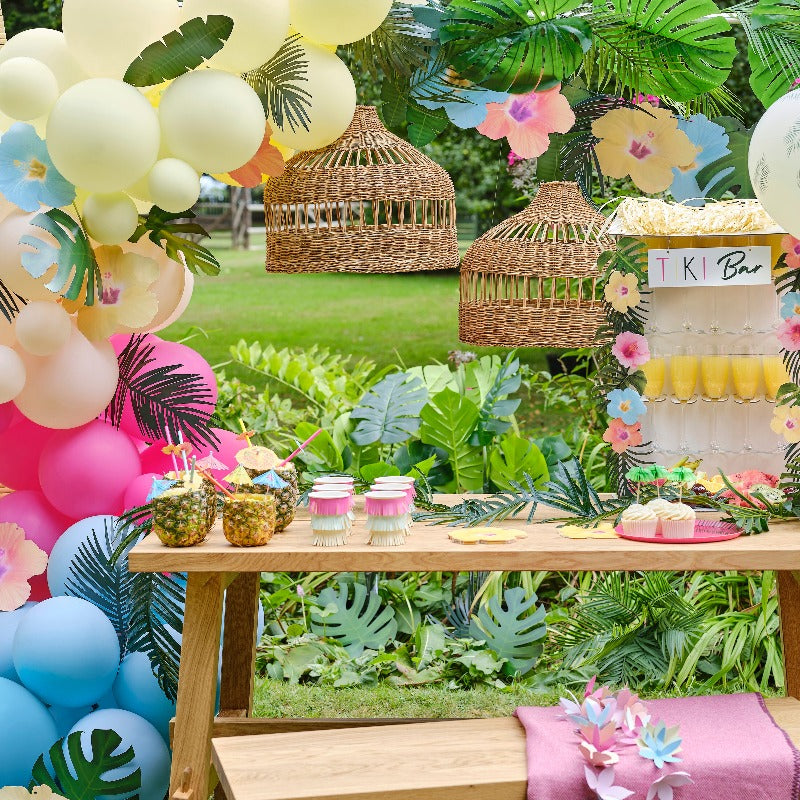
12, 374
138, 489
43, 328
338, 21
49, 47
9, 621
28, 88
110, 218
173, 185
136, 690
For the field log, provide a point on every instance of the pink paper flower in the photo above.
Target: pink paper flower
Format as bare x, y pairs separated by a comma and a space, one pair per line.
20, 560
602, 784
527, 120
597, 758
621, 436
791, 246
788, 334
631, 350
646, 98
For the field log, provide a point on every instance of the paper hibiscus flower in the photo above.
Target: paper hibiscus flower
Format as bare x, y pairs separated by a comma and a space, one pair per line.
786, 422
644, 143
527, 120
622, 291
20, 560
27, 175
621, 436
631, 349
625, 404
791, 246
266, 163
788, 334
790, 305
711, 142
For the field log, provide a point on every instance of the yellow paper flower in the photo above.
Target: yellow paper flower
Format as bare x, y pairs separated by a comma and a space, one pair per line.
648, 148
126, 302
622, 291
786, 422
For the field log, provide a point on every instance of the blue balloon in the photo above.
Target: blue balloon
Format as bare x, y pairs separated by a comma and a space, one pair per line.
9, 621
68, 544
27, 731
66, 652
137, 690
151, 752
65, 718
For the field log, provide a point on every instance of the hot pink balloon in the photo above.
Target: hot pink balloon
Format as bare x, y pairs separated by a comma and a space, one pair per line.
20, 450
137, 491
154, 460
85, 471
8, 416
40, 521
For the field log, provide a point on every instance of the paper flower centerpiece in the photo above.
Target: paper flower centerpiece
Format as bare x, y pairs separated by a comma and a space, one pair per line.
20, 560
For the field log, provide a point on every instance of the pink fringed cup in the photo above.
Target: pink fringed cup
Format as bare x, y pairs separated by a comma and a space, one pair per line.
406, 480
330, 520
387, 517
407, 489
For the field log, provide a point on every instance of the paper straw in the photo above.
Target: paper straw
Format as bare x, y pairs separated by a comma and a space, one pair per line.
216, 483
300, 449
191, 474
183, 454
244, 432
174, 460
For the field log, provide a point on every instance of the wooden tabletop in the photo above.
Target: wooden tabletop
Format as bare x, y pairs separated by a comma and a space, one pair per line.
429, 548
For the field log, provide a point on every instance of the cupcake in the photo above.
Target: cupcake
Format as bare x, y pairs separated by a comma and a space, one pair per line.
659, 505
639, 520
677, 521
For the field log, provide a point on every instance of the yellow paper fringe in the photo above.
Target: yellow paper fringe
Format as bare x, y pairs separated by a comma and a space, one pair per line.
643, 216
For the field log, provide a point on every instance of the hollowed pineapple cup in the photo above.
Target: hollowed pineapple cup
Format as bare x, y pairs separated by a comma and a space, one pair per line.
285, 498
180, 517
248, 520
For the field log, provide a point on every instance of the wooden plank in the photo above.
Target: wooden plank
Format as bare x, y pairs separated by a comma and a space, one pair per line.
789, 605
239, 644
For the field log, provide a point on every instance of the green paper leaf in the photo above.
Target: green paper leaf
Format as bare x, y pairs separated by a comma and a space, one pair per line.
773, 34
82, 777
389, 412
514, 458
425, 125
729, 173
180, 51
77, 273
495, 402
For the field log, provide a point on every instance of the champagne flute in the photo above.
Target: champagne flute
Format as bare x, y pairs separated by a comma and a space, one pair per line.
714, 370
746, 368
655, 373
683, 368
775, 375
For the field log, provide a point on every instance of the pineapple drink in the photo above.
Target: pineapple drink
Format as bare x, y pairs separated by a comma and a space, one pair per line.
248, 519
211, 497
180, 517
285, 498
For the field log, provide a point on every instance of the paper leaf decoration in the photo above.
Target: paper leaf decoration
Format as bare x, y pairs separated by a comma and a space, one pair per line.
239, 477
20, 560
271, 479
180, 51
10, 303
72, 255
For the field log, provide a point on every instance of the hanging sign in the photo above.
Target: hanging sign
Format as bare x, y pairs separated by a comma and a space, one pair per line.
710, 266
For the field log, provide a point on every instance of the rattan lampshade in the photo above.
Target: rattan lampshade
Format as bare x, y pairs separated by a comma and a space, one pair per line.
532, 281
369, 202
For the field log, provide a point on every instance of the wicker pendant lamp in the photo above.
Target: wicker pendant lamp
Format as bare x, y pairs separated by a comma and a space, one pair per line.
532, 281
369, 202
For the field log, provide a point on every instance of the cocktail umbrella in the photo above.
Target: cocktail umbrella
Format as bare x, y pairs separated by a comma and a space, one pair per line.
639, 475
659, 473
682, 476
160, 485
210, 462
239, 477
270, 479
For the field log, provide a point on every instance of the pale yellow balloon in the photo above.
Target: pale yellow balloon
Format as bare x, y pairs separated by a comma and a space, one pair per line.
103, 135
110, 218
49, 47
43, 328
338, 21
173, 185
28, 88
12, 374
333, 102
106, 36
259, 28
212, 120
16, 225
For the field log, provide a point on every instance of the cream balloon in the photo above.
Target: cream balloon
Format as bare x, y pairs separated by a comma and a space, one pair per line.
103, 135
333, 102
177, 312
43, 328
16, 225
338, 21
72, 387
173, 185
28, 88
50, 48
12, 374
110, 218
212, 120
106, 36
7, 335
259, 28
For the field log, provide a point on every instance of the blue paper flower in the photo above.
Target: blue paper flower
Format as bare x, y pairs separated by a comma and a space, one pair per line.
660, 744
27, 175
790, 305
712, 143
625, 404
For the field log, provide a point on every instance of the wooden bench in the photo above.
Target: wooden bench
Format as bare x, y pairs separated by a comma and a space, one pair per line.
476, 759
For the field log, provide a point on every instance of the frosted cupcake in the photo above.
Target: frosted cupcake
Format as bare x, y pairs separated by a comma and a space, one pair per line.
639, 520
677, 522
659, 506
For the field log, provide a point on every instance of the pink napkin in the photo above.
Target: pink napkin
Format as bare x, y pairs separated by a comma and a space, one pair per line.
732, 748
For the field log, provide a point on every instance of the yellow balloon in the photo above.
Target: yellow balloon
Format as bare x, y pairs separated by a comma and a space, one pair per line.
16, 225
110, 218
174, 185
103, 135
28, 88
43, 328
338, 21
51, 49
106, 36
259, 28
333, 102
212, 120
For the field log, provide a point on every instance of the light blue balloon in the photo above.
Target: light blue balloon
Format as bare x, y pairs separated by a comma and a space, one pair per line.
137, 690
151, 752
67, 546
65, 718
9, 621
106, 701
66, 652
27, 731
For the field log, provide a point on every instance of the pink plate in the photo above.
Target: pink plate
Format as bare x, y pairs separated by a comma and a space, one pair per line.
705, 531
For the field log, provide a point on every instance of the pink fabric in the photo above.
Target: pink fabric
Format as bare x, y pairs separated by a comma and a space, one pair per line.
732, 748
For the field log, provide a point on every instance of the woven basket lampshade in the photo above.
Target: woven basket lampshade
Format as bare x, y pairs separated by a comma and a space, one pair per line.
369, 202
532, 281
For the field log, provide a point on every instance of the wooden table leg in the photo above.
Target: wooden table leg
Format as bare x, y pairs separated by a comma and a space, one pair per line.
789, 605
197, 687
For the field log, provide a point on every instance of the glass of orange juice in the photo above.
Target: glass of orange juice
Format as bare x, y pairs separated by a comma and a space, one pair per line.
684, 366
655, 372
714, 372
746, 370
775, 375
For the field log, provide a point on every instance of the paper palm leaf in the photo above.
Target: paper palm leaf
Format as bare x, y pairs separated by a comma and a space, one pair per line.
10, 303
497, 403
180, 51
389, 411
77, 271
81, 777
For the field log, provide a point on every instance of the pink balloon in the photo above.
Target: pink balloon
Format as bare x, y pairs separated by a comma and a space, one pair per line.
85, 472
230, 445
20, 450
8, 416
40, 521
153, 460
137, 491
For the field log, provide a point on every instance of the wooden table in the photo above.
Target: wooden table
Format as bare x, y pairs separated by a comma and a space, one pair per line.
215, 565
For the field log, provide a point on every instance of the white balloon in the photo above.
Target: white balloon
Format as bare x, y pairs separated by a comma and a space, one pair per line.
50, 48
103, 135
28, 88
333, 102
212, 120
338, 21
173, 185
110, 218
259, 28
12, 374
43, 328
106, 36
